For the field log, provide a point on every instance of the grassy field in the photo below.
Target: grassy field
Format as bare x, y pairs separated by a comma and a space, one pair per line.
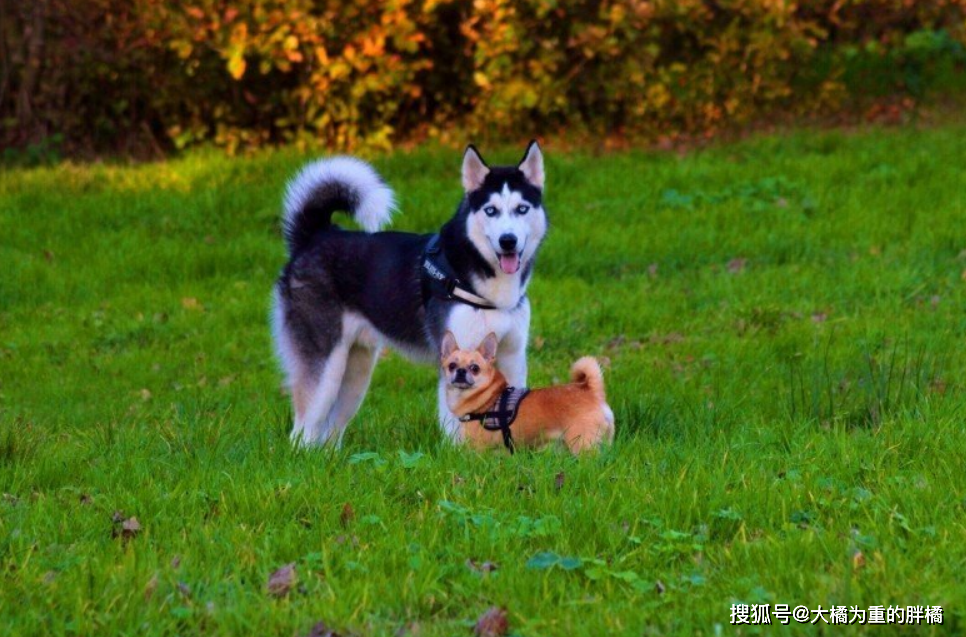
782, 322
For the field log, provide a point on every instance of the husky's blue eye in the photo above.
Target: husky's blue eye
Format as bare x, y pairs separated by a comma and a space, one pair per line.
522, 209
491, 211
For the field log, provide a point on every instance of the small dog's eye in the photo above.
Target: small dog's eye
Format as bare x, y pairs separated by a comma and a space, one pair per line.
491, 211
452, 367
475, 369
522, 209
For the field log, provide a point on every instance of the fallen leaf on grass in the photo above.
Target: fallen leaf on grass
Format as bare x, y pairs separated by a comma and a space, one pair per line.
347, 515
412, 628
321, 630
281, 581
616, 342
481, 567
128, 528
558, 481
665, 339
659, 587
858, 560
176, 562
191, 303
736, 266
151, 586
492, 623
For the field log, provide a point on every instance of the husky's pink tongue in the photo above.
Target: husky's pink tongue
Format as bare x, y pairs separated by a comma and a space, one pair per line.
510, 263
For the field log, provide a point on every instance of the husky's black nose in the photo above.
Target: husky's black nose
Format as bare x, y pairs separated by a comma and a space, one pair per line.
508, 242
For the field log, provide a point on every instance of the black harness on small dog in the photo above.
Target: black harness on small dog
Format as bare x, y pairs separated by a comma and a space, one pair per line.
500, 419
439, 281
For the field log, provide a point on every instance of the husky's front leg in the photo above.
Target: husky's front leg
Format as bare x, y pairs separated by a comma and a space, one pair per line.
513, 364
448, 422
511, 355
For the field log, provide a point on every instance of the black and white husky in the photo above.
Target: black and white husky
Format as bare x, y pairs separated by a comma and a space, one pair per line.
344, 295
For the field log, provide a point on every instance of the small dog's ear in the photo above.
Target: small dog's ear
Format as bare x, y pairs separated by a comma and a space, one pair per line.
488, 347
475, 169
532, 165
449, 345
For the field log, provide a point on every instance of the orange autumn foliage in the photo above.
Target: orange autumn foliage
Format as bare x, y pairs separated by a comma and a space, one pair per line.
345, 74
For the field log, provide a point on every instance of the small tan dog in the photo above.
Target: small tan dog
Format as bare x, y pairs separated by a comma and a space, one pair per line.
477, 392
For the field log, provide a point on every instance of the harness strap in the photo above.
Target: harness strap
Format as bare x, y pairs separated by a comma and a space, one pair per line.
505, 422
500, 419
443, 283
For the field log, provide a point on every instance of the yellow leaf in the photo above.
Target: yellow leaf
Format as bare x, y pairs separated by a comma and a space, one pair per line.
236, 65
191, 303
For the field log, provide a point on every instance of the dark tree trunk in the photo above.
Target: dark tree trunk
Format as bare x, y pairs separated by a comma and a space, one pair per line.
34, 39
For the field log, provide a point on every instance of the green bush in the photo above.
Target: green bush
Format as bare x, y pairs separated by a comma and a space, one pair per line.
154, 75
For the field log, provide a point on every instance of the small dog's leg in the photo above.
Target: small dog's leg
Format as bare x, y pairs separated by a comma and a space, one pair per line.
311, 428
589, 435
450, 424
580, 442
358, 373
608, 426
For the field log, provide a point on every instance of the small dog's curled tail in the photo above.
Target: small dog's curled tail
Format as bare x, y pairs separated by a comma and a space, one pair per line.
586, 371
326, 186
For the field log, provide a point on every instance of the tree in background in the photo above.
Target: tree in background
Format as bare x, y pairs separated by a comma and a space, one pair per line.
146, 77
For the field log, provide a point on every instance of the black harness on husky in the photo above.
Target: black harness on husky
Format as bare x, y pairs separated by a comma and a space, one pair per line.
500, 419
439, 280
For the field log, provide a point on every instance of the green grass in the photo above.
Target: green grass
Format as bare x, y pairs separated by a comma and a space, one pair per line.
783, 320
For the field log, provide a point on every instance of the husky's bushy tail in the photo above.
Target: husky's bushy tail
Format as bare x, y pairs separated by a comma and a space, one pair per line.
586, 371
326, 186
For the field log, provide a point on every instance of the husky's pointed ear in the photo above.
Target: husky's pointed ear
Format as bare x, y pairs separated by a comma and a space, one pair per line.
487, 348
475, 169
449, 345
532, 164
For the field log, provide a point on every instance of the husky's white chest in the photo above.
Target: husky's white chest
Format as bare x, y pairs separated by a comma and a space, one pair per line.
470, 325
501, 290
